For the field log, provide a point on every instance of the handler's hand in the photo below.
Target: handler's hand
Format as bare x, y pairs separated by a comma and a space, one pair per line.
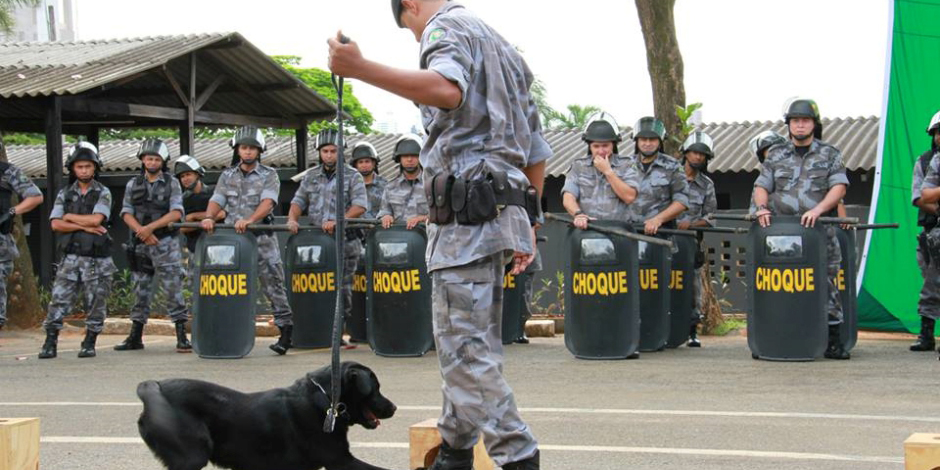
344, 59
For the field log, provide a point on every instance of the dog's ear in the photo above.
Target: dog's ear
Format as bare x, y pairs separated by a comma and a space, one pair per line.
363, 380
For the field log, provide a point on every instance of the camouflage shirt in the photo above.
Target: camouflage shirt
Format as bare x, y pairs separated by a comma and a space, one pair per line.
494, 128
176, 195
702, 200
17, 182
85, 268
317, 193
594, 193
797, 184
404, 199
241, 193
660, 186
376, 192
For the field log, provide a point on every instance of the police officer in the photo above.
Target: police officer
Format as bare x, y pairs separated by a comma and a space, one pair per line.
759, 144
663, 193
806, 177
472, 91
697, 150
404, 199
12, 180
366, 161
196, 195
317, 196
928, 307
248, 192
601, 184
80, 215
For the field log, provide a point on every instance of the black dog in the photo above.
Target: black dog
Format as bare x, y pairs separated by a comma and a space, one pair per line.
189, 423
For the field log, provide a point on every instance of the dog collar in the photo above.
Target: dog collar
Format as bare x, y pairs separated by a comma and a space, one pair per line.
341, 407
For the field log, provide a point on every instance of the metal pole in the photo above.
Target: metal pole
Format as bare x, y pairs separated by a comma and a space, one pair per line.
612, 231
752, 218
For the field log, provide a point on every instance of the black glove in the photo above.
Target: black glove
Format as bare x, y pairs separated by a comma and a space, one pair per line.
6, 221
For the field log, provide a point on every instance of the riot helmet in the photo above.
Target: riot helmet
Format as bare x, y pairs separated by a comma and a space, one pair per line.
396, 12
83, 151
651, 128
249, 135
153, 147
408, 144
186, 163
699, 141
601, 127
327, 137
934, 124
802, 107
763, 141
364, 150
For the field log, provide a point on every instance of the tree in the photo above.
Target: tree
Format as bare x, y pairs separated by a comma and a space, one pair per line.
664, 62
319, 81
576, 119
6, 13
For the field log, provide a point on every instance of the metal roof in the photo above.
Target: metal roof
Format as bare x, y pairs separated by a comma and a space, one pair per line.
132, 71
857, 138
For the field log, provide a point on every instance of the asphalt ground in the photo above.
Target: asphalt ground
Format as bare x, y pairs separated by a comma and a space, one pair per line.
710, 408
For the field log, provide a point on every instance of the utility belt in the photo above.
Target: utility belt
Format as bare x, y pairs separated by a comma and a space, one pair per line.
138, 262
929, 242
474, 202
86, 244
267, 220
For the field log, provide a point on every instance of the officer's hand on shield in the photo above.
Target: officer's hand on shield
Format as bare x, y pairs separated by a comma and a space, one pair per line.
763, 217
521, 261
344, 59
581, 221
293, 226
387, 221
809, 218
208, 225
412, 222
241, 226
652, 226
328, 226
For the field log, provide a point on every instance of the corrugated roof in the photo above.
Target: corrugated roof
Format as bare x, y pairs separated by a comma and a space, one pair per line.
857, 138
130, 71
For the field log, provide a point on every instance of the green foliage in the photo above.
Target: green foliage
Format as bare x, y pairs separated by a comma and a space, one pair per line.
728, 326
685, 118
576, 119
24, 139
319, 81
6, 13
550, 288
122, 297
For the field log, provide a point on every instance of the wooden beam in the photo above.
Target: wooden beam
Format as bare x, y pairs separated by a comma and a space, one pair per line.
211, 117
117, 108
54, 182
191, 109
207, 93
176, 86
301, 136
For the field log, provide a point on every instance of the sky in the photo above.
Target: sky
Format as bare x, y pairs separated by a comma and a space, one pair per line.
743, 58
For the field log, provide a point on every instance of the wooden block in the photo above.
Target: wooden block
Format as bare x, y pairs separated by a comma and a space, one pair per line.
540, 328
19, 443
922, 452
424, 440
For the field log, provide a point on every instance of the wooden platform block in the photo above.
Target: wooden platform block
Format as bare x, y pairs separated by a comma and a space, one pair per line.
540, 328
922, 452
424, 440
19, 443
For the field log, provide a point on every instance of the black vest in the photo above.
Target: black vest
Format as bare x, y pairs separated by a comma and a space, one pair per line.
6, 200
149, 207
80, 242
928, 221
192, 203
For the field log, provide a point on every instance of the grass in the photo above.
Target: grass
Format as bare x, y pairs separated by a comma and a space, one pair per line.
727, 326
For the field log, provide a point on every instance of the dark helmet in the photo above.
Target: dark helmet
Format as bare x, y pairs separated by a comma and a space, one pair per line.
408, 144
700, 142
249, 135
186, 163
153, 147
763, 141
363, 150
396, 12
83, 151
651, 128
601, 127
802, 107
934, 124
327, 137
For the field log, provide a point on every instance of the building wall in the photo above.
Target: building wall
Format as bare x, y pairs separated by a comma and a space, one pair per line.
32, 23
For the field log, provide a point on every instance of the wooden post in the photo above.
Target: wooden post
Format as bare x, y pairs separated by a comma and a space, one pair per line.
53, 184
94, 137
19, 443
424, 440
190, 148
301, 134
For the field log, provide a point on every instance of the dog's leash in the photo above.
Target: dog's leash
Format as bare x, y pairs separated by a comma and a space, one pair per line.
340, 232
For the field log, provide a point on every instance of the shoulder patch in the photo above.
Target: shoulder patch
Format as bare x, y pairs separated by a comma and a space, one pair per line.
435, 35
24, 178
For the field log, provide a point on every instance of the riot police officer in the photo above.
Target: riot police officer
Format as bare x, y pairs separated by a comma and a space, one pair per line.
80, 215
12, 180
697, 150
366, 160
928, 306
806, 177
317, 196
248, 192
152, 201
663, 193
196, 195
404, 199
602, 184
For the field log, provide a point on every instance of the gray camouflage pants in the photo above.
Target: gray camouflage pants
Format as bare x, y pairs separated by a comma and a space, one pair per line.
95, 293
698, 296
834, 263
167, 262
271, 272
352, 251
6, 267
929, 303
467, 306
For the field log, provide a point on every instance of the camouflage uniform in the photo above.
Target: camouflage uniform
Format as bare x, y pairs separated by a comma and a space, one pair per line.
86, 274
702, 201
376, 191
240, 194
929, 303
466, 261
15, 181
660, 186
165, 256
404, 199
594, 193
317, 195
796, 185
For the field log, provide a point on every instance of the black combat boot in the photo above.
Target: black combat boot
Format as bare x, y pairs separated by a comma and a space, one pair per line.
134, 340
283, 343
88, 344
925, 341
693, 337
531, 463
835, 349
182, 343
50, 347
453, 459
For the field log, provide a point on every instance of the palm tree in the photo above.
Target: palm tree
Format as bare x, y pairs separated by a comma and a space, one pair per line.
6, 13
576, 118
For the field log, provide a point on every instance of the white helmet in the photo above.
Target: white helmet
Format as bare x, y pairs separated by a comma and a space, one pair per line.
934, 123
601, 127
186, 163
